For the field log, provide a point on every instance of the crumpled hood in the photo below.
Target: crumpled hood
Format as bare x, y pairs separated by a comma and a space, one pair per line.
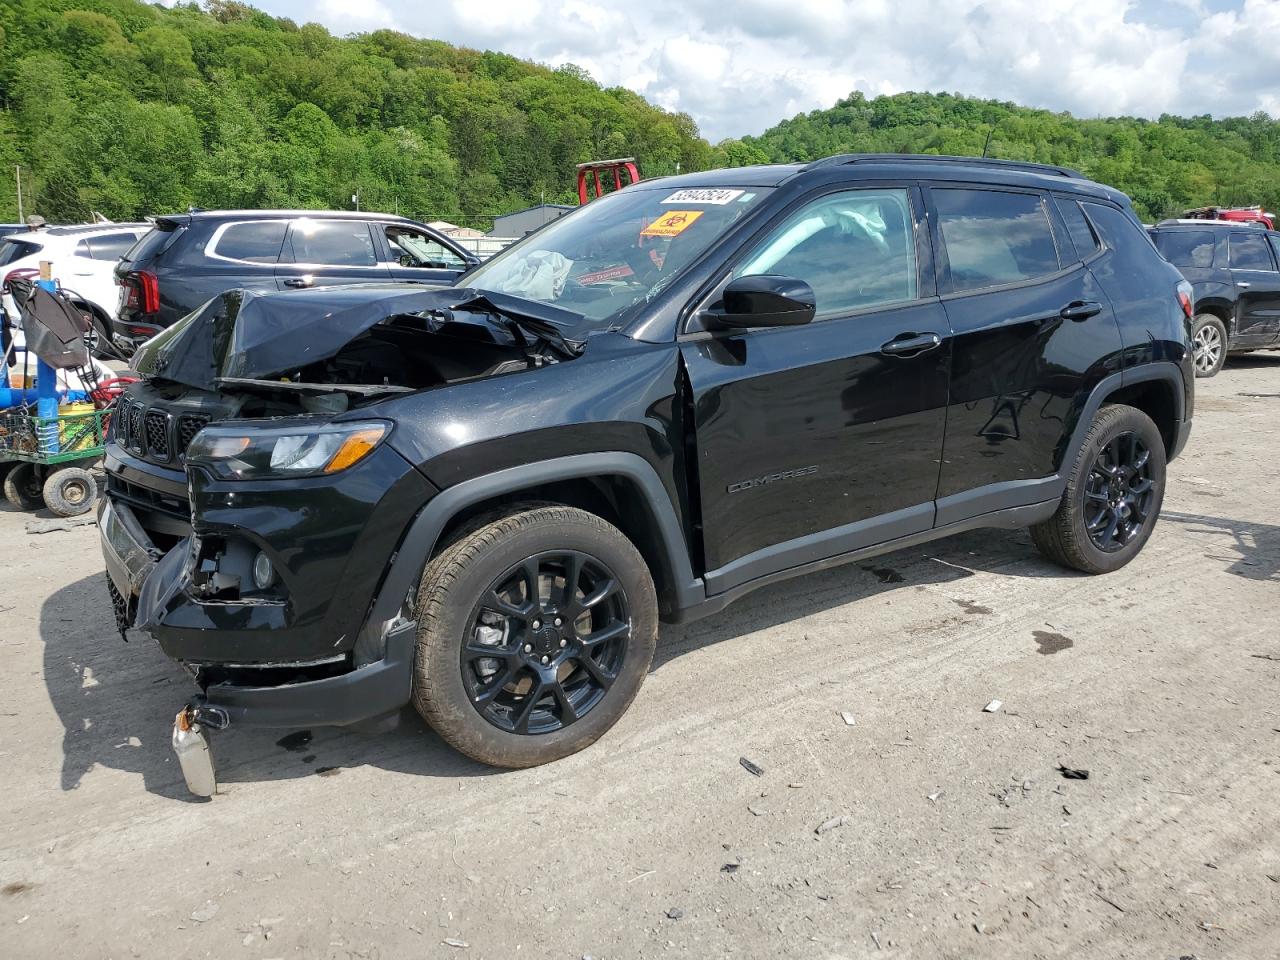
248, 335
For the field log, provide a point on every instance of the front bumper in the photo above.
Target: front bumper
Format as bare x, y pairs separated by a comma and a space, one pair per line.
148, 579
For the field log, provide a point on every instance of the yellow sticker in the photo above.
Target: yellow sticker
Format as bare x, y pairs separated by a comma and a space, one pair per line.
671, 224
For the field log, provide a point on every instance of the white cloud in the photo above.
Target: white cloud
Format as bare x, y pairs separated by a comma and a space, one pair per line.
738, 68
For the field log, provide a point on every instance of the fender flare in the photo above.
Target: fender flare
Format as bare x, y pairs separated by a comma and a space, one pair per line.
419, 543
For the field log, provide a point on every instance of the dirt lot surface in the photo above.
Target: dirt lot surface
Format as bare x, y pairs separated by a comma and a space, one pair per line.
928, 828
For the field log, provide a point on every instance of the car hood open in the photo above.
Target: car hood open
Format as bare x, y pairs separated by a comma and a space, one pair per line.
247, 335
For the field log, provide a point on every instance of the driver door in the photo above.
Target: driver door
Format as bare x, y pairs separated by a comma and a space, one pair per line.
820, 439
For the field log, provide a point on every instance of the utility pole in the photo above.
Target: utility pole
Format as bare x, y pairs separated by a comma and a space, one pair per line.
17, 171
355, 198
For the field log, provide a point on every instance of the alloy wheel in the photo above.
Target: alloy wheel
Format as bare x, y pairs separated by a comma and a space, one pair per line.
1207, 346
547, 641
1119, 493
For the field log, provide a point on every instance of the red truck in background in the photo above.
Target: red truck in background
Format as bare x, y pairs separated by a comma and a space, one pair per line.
1239, 214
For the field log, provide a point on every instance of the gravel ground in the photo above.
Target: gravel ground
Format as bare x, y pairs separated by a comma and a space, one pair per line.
927, 828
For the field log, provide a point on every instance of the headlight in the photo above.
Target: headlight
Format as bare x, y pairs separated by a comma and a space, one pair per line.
238, 452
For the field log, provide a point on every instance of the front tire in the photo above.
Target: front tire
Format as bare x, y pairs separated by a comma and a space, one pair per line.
1209, 345
535, 633
1113, 495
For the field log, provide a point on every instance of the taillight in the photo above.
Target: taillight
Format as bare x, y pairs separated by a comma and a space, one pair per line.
142, 291
1185, 299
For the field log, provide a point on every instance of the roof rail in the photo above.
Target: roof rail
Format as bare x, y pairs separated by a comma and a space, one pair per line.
844, 158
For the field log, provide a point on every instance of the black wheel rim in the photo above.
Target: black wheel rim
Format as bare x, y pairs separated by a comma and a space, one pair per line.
546, 642
1119, 493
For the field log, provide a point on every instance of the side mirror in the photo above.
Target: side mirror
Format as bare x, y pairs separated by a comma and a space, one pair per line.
763, 301
407, 260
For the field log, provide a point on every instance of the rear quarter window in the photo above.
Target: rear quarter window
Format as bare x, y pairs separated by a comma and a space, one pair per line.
255, 241
111, 246
1082, 236
154, 242
11, 250
993, 237
1186, 248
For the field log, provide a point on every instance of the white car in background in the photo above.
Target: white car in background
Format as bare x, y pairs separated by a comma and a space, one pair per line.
83, 259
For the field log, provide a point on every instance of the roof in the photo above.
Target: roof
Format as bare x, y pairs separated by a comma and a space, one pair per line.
87, 228
268, 214
885, 165
1194, 224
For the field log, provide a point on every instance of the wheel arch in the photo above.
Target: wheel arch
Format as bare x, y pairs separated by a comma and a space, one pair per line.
621, 487
1220, 309
1156, 389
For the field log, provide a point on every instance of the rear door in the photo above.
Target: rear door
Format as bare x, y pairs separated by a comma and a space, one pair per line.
819, 439
415, 254
319, 252
1253, 271
1032, 331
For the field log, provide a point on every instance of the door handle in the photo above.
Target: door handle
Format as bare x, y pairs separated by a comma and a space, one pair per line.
299, 281
1242, 283
1080, 310
911, 343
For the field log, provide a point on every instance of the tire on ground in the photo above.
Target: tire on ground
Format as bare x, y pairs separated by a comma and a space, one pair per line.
1063, 537
1208, 320
22, 487
70, 491
448, 603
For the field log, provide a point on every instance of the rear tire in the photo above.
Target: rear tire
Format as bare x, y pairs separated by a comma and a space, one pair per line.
1106, 495
22, 487
534, 700
70, 491
1209, 345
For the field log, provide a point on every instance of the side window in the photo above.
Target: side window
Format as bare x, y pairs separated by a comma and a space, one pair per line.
993, 237
1186, 248
111, 246
856, 249
1082, 235
256, 241
1275, 245
336, 243
1249, 251
414, 249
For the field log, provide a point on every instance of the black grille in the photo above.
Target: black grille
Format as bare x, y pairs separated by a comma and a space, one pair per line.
157, 424
133, 426
189, 424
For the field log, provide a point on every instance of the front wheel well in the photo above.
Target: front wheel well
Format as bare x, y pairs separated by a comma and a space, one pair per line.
1219, 311
614, 498
1158, 400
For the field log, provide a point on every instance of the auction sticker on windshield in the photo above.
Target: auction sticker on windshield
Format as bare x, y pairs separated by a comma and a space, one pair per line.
671, 224
718, 197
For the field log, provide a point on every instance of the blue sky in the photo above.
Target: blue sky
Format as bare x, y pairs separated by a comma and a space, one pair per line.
739, 67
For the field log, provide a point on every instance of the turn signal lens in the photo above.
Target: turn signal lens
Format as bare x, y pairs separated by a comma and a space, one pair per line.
355, 448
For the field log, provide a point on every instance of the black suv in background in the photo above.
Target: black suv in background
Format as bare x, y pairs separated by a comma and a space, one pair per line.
1233, 272
481, 499
189, 258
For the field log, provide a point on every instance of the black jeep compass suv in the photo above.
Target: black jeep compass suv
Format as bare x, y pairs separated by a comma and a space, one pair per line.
482, 499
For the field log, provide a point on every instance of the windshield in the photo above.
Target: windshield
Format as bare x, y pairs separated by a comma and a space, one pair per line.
617, 251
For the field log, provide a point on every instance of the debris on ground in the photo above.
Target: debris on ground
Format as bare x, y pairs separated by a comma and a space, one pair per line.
1108, 901
756, 810
455, 942
68, 523
207, 912
934, 797
675, 913
1070, 773
849, 719
1256, 656
1208, 927
831, 824
732, 867
751, 768
993, 707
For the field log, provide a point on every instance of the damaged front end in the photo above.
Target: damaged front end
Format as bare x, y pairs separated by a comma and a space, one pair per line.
253, 506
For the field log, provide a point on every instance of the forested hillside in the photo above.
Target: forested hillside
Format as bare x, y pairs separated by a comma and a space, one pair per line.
1166, 165
129, 109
